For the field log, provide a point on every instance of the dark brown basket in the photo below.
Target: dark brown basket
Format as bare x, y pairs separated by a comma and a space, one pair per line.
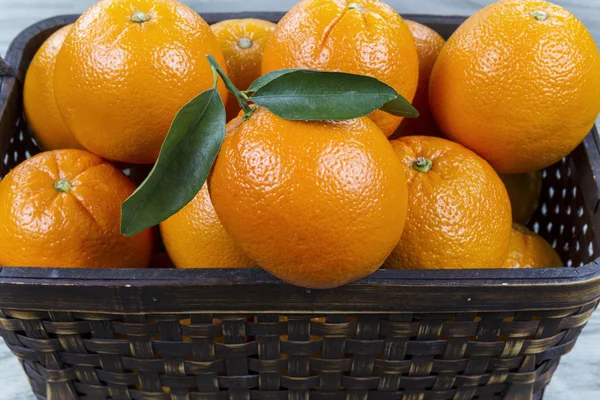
242, 334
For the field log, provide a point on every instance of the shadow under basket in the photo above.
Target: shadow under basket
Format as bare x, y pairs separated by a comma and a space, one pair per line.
241, 334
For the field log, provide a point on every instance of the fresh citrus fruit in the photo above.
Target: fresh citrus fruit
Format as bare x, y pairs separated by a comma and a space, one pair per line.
458, 209
62, 208
41, 111
362, 37
243, 42
429, 44
518, 84
125, 70
195, 238
530, 250
524, 191
317, 204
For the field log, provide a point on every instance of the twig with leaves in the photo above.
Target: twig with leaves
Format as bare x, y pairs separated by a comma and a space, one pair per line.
198, 130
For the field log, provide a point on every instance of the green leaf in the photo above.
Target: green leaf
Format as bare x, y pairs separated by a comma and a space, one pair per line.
185, 160
400, 107
316, 95
268, 77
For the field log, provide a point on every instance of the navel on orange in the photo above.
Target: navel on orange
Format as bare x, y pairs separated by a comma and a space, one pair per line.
518, 84
42, 114
458, 209
317, 204
195, 238
125, 70
62, 208
530, 250
429, 44
243, 42
363, 37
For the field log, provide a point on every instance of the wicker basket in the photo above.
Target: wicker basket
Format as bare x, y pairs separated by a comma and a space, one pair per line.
241, 334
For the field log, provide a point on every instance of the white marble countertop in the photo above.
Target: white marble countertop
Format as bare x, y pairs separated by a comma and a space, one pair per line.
578, 376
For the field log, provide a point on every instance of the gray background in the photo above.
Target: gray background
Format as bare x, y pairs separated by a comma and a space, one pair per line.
578, 377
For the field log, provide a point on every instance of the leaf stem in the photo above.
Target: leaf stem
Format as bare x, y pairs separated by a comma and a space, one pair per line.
215, 77
241, 98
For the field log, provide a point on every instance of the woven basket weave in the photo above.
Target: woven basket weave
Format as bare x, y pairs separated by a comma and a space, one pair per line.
242, 334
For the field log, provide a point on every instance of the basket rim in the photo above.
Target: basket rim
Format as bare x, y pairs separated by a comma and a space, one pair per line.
463, 289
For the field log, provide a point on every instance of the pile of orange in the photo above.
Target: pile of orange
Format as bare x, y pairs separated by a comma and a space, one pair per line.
318, 204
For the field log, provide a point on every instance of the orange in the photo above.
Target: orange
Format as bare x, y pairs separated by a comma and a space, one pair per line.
518, 84
243, 42
530, 250
125, 70
195, 238
42, 114
458, 209
364, 37
317, 204
524, 191
429, 45
62, 208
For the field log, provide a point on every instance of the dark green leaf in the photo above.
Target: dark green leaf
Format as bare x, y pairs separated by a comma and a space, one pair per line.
266, 78
316, 95
185, 160
400, 107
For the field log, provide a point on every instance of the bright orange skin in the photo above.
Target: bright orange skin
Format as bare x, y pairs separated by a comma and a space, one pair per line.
524, 191
243, 64
43, 227
317, 204
41, 111
520, 92
328, 35
458, 212
530, 250
195, 238
429, 45
120, 83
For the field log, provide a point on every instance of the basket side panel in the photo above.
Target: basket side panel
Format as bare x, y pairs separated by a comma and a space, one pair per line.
567, 215
245, 355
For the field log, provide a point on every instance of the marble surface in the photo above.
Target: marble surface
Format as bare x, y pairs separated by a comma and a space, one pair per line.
578, 377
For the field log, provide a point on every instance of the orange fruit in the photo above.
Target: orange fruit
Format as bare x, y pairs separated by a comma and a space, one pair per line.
524, 191
243, 42
518, 84
195, 238
530, 250
364, 37
317, 204
429, 44
42, 114
125, 70
458, 209
62, 208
